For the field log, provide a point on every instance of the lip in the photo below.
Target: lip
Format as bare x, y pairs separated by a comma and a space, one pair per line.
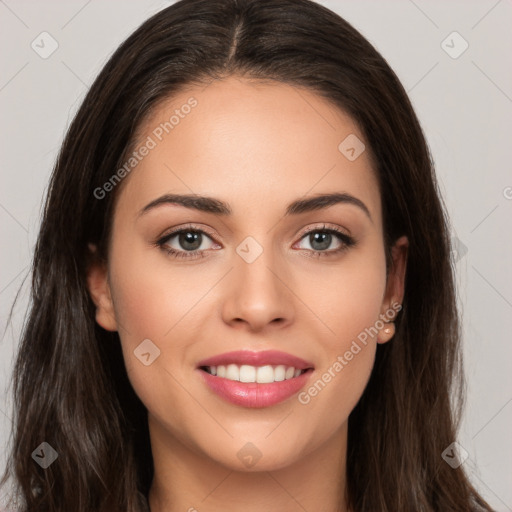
262, 358
254, 394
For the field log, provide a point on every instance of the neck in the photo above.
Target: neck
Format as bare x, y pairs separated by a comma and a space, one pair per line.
187, 481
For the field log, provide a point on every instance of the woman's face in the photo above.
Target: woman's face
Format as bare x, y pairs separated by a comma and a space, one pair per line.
260, 277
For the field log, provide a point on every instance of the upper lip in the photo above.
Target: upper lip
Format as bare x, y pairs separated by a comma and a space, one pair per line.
261, 358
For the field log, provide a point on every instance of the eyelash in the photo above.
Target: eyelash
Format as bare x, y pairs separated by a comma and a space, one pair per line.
346, 241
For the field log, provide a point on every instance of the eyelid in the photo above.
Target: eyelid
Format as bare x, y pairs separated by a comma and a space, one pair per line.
324, 226
191, 227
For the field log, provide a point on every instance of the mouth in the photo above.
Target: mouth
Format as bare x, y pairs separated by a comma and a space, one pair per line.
260, 374
255, 379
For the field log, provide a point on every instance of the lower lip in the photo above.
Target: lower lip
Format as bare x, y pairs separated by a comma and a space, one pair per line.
253, 394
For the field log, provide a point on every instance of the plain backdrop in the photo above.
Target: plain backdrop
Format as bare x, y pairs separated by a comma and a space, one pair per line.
463, 97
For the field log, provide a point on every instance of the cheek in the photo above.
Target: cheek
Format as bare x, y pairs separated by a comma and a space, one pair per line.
347, 298
157, 301
153, 305
349, 303
150, 295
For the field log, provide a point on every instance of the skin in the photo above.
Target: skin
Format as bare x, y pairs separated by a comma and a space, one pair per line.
257, 146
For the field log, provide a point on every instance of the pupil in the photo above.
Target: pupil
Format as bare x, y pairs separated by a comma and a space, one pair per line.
190, 238
324, 239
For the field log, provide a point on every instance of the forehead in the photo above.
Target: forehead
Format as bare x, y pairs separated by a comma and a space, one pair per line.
246, 142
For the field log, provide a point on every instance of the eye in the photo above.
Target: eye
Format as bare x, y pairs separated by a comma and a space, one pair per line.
192, 242
321, 239
188, 242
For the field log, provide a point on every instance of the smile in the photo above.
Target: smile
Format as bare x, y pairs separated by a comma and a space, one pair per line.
276, 378
260, 374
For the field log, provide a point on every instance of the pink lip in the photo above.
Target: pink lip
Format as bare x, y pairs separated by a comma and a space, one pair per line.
253, 394
262, 358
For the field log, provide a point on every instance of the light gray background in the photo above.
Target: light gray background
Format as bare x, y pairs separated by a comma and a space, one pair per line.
465, 107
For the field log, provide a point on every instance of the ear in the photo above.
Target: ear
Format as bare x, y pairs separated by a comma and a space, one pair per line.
99, 290
395, 286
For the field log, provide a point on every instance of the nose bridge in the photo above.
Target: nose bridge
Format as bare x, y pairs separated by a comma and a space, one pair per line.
258, 293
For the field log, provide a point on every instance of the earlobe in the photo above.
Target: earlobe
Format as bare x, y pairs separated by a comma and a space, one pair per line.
99, 290
386, 333
395, 288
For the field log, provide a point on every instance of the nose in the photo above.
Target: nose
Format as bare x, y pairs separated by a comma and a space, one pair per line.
259, 295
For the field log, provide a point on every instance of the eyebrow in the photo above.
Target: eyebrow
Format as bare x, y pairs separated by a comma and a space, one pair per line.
217, 207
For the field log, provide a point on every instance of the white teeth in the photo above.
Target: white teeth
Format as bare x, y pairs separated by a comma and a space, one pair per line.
261, 374
265, 374
233, 372
279, 373
247, 373
290, 371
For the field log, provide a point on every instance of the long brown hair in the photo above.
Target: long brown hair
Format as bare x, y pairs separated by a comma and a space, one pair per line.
70, 385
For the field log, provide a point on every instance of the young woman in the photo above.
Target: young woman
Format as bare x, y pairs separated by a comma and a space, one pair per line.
242, 290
